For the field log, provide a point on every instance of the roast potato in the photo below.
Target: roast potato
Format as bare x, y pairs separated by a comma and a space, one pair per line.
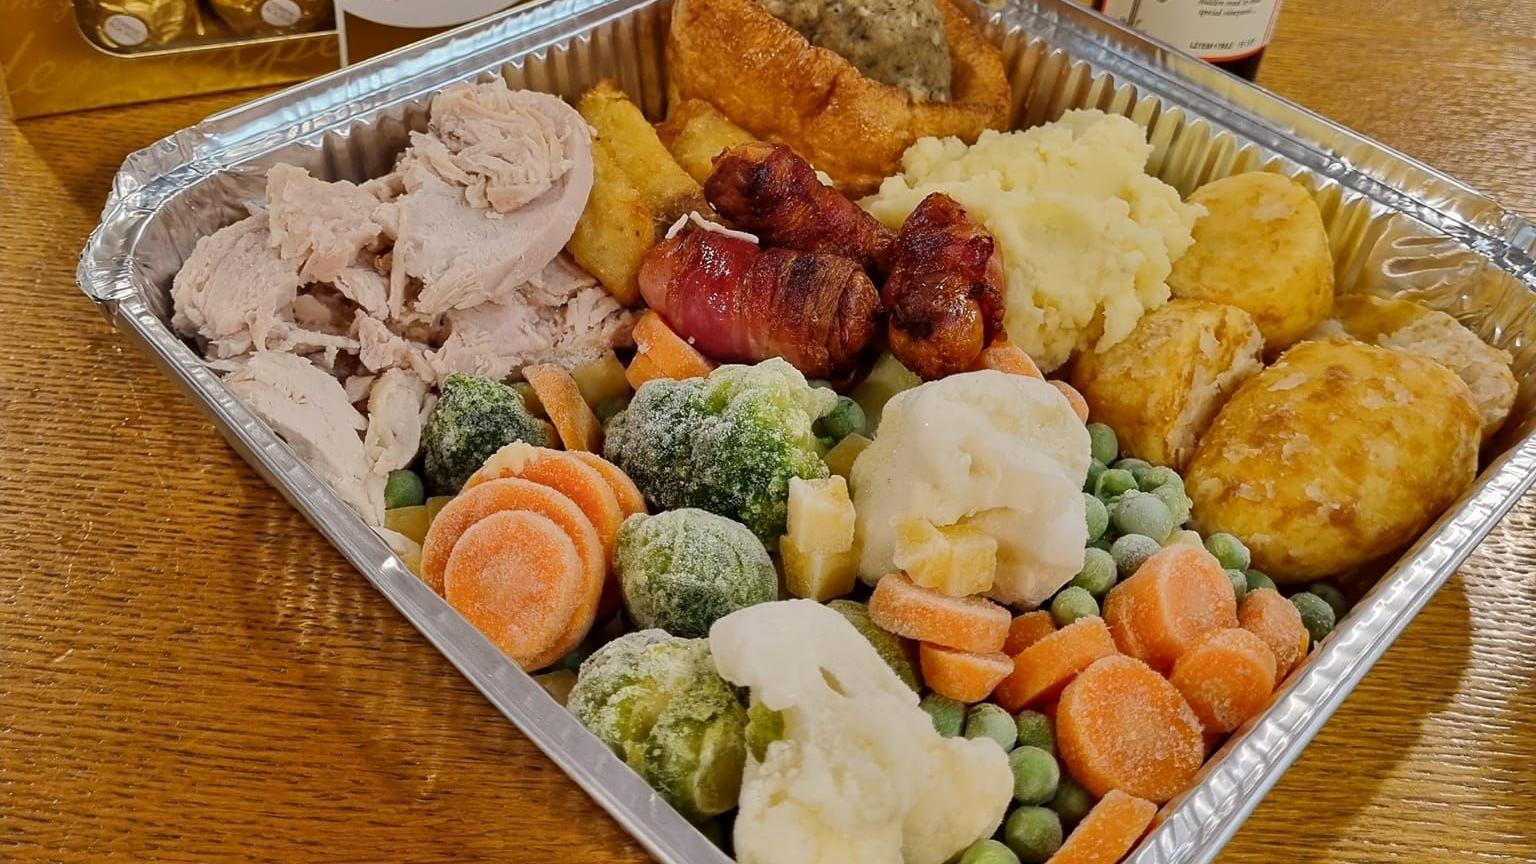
614, 230
1261, 247
695, 132
1160, 386
1339, 453
1403, 325
637, 150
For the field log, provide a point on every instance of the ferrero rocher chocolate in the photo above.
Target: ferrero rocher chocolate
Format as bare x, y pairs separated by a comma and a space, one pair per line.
256, 17
140, 25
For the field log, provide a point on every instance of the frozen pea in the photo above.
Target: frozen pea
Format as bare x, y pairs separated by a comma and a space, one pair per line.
1033, 833
948, 715
1097, 515
1332, 596
1316, 614
1131, 551
1113, 483
1098, 573
1103, 543
846, 418
1157, 477
1095, 468
1071, 801
1258, 579
1176, 500
989, 721
1035, 730
404, 489
1072, 603
1239, 582
1035, 775
1143, 514
1185, 538
1229, 550
988, 852
1137, 467
1102, 443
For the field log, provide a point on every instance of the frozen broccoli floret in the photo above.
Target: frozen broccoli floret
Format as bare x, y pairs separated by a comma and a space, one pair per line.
658, 702
728, 443
473, 418
683, 569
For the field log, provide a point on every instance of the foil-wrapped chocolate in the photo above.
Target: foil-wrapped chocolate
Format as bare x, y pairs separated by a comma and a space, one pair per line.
262, 17
138, 25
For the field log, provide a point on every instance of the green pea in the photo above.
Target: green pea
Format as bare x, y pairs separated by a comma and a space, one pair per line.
1332, 596
948, 715
1131, 551
1104, 543
989, 721
1143, 514
1176, 500
1098, 573
1113, 483
1072, 603
1316, 614
1033, 833
1035, 775
1158, 476
1095, 468
1071, 801
404, 489
1036, 730
1239, 582
846, 418
1229, 550
988, 852
1137, 467
1258, 579
1097, 515
1103, 443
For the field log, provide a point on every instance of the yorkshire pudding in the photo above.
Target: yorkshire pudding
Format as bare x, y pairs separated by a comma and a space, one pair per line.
762, 74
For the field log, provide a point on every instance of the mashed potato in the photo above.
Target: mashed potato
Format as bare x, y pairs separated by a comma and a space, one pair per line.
997, 452
1088, 238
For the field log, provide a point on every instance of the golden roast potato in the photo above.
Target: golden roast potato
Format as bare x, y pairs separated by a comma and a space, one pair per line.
1160, 386
696, 132
1261, 247
762, 74
1403, 325
1339, 453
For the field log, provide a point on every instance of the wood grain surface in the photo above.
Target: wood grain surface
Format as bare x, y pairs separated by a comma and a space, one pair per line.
188, 672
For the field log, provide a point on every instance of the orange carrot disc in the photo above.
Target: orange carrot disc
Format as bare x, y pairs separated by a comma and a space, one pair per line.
1226, 678
1027, 629
1074, 398
1044, 668
516, 576
1120, 725
1007, 357
961, 675
564, 473
963, 623
672, 356
1178, 596
1108, 832
641, 369
1275, 620
572, 417
624, 489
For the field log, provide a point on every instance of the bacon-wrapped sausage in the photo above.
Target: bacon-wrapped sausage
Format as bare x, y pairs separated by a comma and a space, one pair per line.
944, 296
768, 190
738, 303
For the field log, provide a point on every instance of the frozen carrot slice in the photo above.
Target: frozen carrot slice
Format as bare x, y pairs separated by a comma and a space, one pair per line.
641, 369
963, 623
1274, 619
1226, 678
1044, 668
1074, 398
1027, 629
1007, 357
564, 473
961, 675
1109, 830
574, 421
673, 357
517, 577
1178, 596
1120, 725
624, 489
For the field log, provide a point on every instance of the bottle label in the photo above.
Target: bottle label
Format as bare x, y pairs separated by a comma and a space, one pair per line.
281, 13
1215, 30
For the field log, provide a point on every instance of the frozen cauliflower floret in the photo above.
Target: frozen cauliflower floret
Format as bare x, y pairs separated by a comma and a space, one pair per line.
1003, 453
958, 560
858, 773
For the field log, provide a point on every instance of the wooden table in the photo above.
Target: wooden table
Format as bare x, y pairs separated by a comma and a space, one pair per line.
188, 672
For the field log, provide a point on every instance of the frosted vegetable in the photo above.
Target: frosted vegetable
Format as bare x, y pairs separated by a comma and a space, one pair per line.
728, 443
472, 419
658, 702
684, 569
